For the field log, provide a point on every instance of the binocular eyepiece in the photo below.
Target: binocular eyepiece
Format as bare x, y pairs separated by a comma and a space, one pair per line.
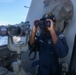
42, 23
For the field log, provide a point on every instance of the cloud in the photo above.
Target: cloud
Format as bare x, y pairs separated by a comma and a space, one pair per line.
5, 22
6, 1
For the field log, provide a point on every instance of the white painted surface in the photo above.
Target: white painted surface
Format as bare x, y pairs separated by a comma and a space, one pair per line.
70, 33
35, 11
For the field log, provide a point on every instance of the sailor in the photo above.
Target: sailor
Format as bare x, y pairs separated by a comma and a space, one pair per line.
52, 46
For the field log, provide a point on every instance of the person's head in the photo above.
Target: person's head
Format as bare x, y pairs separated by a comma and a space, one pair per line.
49, 16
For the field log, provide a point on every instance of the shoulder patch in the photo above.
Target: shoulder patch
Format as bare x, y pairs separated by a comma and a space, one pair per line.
61, 36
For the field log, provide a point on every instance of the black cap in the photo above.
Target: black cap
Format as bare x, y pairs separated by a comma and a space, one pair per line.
49, 16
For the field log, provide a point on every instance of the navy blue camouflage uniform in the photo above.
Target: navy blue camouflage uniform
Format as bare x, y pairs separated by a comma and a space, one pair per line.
49, 53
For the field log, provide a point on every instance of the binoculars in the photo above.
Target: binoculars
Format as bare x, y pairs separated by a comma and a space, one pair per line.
15, 30
42, 23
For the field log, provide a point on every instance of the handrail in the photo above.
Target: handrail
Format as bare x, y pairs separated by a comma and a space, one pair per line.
3, 47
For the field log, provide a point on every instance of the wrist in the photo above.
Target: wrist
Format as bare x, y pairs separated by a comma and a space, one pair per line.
52, 31
34, 32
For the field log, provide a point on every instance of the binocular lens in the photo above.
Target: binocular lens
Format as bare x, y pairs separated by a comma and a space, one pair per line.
14, 31
48, 23
36, 23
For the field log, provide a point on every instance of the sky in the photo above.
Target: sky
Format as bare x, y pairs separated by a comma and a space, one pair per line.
13, 11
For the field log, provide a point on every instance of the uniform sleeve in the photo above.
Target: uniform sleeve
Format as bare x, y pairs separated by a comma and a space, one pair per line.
61, 47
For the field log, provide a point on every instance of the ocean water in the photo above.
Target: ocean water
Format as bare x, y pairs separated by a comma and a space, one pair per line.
3, 40
16, 40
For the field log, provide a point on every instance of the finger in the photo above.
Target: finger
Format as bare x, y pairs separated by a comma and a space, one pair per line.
48, 20
48, 27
